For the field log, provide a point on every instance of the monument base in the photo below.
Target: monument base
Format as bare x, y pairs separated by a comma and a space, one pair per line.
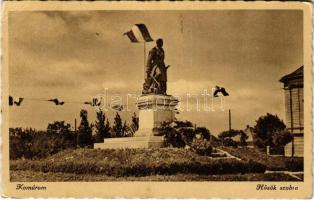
131, 142
153, 111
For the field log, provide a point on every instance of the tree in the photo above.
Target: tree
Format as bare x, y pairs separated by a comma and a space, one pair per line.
229, 142
266, 128
102, 127
32, 144
182, 133
243, 138
118, 128
20, 141
84, 131
173, 137
229, 134
135, 124
58, 127
282, 138
63, 134
203, 131
179, 124
126, 130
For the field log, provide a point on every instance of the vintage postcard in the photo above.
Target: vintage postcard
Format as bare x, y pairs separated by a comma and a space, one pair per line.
157, 99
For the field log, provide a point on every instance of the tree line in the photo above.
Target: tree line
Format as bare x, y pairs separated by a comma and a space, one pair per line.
29, 143
32, 144
268, 130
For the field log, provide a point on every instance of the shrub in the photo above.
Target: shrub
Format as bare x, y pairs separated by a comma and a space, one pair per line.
226, 138
294, 164
201, 146
281, 138
228, 134
33, 144
229, 142
278, 150
181, 133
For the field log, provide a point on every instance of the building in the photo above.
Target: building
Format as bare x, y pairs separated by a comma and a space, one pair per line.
249, 132
294, 107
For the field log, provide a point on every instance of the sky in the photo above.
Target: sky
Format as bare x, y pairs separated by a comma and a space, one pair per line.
74, 55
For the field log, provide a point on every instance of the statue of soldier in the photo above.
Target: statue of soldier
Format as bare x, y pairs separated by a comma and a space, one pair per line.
156, 71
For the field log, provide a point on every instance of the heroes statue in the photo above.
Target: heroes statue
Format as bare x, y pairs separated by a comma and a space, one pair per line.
156, 71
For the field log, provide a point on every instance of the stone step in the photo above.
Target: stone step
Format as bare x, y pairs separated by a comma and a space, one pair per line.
131, 143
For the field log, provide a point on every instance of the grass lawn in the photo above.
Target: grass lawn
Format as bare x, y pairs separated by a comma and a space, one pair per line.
21, 176
274, 163
164, 164
136, 162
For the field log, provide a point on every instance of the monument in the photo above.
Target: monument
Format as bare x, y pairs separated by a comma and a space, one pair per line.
155, 105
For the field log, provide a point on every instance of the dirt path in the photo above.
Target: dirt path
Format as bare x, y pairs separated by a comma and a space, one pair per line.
228, 154
292, 174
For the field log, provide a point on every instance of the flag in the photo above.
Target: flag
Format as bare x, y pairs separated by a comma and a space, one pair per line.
139, 33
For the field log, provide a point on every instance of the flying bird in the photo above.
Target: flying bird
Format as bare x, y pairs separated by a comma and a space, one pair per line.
17, 103
88, 102
220, 90
11, 101
94, 102
56, 101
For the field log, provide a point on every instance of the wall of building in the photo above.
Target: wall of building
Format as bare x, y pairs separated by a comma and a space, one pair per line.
294, 101
296, 95
298, 147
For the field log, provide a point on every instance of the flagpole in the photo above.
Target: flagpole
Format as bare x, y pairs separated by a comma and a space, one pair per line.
144, 59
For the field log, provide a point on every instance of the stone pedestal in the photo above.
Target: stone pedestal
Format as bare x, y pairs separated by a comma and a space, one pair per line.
130, 142
153, 111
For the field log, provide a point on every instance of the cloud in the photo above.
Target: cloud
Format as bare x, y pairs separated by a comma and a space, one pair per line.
60, 54
42, 28
183, 87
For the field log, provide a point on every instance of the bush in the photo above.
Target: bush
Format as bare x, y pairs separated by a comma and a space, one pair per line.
228, 134
226, 138
279, 150
229, 142
182, 133
294, 164
33, 144
201, 147
281, 138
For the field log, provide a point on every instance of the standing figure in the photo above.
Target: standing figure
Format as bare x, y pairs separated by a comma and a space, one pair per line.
156, 71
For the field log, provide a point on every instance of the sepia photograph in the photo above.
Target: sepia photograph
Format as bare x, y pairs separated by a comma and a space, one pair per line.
157, 94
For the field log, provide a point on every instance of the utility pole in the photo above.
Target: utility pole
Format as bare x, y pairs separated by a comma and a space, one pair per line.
291, 122
229, 120
144, 59
76, 138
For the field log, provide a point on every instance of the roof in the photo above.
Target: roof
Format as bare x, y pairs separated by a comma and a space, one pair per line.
297, 74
